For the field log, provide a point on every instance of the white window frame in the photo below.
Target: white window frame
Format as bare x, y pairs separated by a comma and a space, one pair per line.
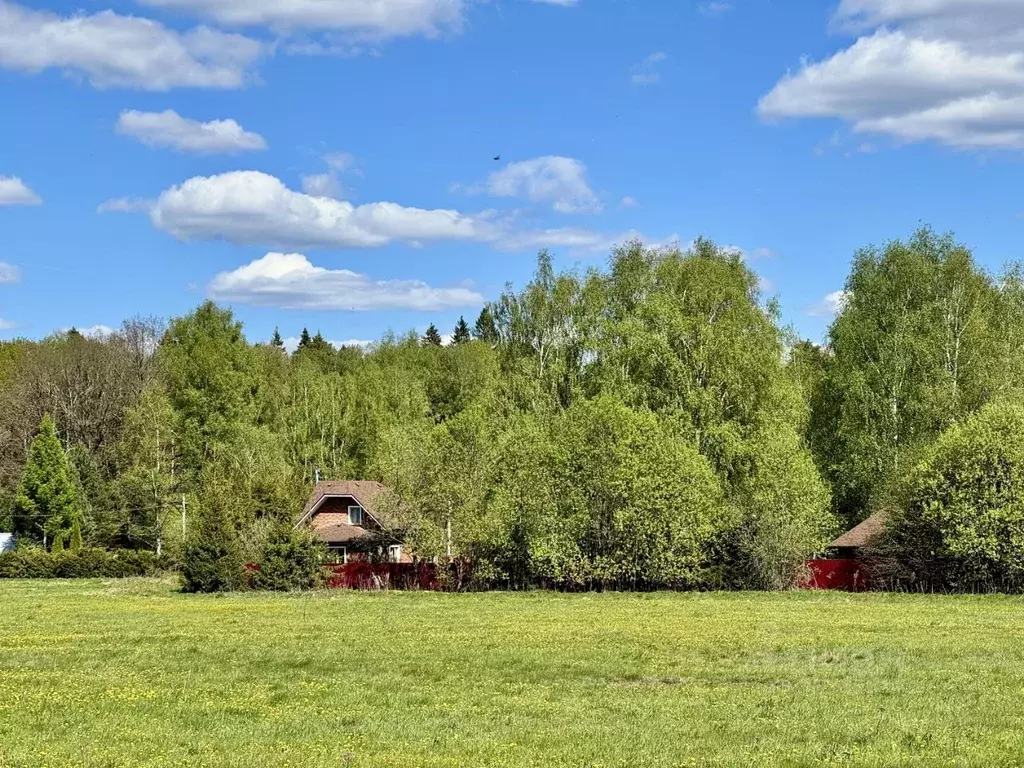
362, 514
344, 553
395, 553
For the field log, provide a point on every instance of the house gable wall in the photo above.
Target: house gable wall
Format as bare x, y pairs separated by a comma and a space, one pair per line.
334, 510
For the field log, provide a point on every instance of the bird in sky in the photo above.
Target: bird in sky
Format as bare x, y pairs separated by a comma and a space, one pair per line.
497, 157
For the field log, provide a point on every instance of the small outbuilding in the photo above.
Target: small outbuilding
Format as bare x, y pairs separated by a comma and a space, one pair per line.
851, 544
842, 567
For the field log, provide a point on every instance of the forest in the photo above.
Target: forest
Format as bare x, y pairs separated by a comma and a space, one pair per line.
648, 424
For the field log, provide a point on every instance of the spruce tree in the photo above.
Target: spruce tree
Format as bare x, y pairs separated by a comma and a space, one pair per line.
46, 503
212, 560
432, 337
485, 328
304, 339
277, 341
461, 333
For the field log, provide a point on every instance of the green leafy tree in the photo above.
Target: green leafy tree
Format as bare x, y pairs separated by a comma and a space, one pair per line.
211, 381
46, 506
912, 352
461, 333
432, 338
149, 485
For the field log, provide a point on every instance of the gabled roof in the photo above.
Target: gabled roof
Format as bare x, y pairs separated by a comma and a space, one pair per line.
861, 535
367, 493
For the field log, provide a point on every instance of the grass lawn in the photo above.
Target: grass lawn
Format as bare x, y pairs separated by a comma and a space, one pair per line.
106, 673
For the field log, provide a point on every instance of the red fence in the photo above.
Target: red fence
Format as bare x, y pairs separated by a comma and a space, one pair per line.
362, 575
836, 574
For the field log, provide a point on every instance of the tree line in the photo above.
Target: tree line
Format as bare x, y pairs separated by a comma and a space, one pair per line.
648, 424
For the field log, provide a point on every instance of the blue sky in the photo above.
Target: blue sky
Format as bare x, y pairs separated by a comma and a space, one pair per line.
329, 163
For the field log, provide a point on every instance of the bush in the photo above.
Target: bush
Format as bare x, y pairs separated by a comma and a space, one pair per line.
36, 563
786, 518
212, 560
291, 560
958, 522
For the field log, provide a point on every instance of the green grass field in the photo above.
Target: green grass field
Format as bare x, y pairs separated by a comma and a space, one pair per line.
134, 674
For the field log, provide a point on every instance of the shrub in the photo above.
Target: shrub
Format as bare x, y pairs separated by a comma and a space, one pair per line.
786, 518
291, 560
958, 522
35, 563
212, 560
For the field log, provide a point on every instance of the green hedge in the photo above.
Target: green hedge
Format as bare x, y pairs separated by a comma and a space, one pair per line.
33, 563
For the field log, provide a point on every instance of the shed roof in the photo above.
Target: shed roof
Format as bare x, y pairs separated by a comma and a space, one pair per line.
369, 494
862, 534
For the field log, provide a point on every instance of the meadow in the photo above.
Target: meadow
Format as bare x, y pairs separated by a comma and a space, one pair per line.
133, 673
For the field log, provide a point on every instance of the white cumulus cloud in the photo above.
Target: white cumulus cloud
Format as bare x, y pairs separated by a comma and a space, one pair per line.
253, 208
291, 281
560, 182
111, 50
169, 129
362, 19
948, 71
13, 191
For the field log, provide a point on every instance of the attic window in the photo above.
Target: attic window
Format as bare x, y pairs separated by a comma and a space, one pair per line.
355, 515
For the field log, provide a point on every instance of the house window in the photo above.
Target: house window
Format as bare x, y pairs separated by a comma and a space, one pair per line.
395, 553
337, 554
355, 515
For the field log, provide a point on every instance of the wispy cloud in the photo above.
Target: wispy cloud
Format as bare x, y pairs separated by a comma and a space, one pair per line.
714, 8
9, 274
647, 72
831, 305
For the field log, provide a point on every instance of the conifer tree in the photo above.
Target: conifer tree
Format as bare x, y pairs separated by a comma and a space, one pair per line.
432, 337
461, 333
485, 328
46, 504
277, 341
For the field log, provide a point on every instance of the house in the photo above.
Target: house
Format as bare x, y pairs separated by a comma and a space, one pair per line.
851, 544
351, 518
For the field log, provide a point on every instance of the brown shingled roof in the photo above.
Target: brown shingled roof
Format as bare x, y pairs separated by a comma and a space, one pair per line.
366, 492
861, 535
